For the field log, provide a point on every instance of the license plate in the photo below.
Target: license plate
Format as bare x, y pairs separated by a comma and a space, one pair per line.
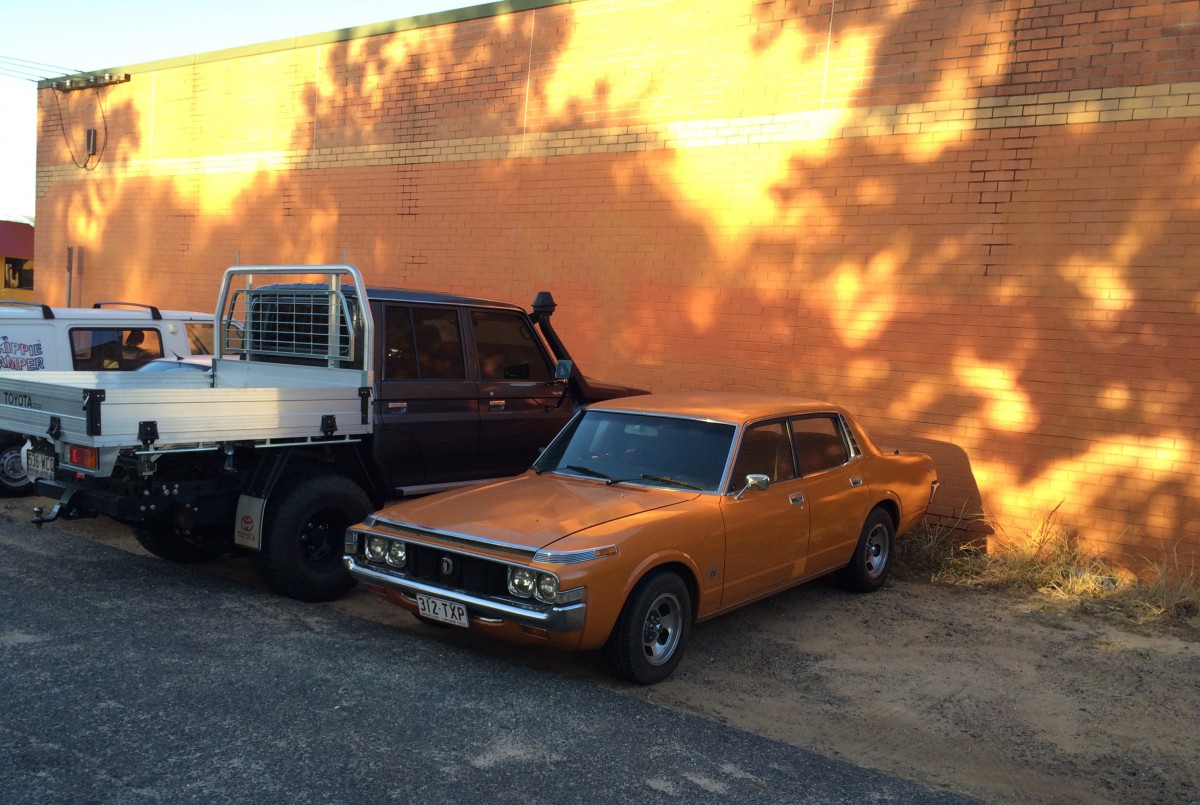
39, 465
445, 611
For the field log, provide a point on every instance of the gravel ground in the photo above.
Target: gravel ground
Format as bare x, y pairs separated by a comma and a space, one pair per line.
990, 696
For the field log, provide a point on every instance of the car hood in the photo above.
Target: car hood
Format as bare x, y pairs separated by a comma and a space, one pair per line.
531, 510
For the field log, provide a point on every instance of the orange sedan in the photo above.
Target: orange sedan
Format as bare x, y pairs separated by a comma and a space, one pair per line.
646, 515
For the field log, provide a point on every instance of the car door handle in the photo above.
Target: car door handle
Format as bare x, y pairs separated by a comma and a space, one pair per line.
398, 407
856, 480
496, 405
796, 499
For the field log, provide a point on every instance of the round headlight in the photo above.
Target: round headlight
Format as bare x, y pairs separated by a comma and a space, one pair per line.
547, 587
377, 548
397, 553
521, 582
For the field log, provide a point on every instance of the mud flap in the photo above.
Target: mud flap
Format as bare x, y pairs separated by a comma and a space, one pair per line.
248, 524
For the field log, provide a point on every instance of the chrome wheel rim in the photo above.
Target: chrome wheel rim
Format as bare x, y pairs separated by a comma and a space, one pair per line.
661, 629
875, 553
12, 471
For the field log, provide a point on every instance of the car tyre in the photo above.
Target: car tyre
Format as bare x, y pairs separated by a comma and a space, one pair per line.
170, 546
868, 568
13, 480
648, 639
304, 535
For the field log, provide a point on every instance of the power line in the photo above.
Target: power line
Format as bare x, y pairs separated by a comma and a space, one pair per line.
24, 69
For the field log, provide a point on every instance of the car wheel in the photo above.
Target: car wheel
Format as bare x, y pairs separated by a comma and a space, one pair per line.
648, 639
304, 536
170, 546
869, 566
13, 480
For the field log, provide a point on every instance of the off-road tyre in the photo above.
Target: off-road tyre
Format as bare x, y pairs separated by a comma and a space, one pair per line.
170, 546
304, 535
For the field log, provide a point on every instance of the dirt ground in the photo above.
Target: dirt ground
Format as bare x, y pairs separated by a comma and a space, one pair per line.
997, 698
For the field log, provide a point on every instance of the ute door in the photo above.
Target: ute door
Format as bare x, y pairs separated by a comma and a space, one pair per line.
837, 494
429, 422
521, 407
766, 532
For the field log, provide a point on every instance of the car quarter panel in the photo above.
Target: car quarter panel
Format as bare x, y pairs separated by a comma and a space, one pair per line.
907, 479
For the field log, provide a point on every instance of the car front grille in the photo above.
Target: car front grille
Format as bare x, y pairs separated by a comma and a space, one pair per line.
470, 574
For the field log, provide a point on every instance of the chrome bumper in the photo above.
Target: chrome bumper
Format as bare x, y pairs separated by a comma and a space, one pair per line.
565, 618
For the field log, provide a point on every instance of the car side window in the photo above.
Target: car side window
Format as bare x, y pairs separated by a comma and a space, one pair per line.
422, 344
508, 348
765, 450
819, 444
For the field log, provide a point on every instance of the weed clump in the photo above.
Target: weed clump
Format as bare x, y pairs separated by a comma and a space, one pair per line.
1047, 561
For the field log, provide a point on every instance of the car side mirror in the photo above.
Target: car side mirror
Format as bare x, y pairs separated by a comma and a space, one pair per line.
755, 481
563, 369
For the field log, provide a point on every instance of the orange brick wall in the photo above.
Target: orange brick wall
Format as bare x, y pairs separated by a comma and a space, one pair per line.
975, 223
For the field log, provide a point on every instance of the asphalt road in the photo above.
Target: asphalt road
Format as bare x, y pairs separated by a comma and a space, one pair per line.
128, 679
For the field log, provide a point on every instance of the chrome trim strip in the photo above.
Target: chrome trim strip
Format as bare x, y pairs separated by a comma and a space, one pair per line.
573, 557
568, 618
410, 531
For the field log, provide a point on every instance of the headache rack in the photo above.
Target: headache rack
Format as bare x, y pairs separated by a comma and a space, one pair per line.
301, 322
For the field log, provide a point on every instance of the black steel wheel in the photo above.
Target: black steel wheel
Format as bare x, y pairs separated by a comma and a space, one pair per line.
166, 544
304, 534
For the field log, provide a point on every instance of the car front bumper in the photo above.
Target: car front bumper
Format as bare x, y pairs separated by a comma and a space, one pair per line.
562, 618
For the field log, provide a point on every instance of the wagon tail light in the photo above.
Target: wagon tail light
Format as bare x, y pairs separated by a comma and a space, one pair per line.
87, 458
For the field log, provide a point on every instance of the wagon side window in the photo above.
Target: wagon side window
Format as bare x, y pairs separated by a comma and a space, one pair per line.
765, 450
508, 348
819, 444
422, 343
114, 350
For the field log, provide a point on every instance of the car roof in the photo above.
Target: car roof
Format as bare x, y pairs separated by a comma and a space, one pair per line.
402, 295
99, 315
725, 406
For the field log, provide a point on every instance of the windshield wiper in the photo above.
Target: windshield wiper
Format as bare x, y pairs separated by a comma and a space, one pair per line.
591, 473
666, 479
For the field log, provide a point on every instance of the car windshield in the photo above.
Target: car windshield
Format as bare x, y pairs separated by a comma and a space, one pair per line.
639, 448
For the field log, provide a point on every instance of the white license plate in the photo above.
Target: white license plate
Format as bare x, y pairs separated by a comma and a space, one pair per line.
445, 611
39, 465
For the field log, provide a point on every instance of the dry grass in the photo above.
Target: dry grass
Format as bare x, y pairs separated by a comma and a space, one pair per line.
1049, 562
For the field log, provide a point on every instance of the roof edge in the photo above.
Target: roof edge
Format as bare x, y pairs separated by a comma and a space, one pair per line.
449, 16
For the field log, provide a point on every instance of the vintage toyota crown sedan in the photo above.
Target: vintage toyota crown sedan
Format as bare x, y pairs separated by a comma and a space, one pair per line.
646, 515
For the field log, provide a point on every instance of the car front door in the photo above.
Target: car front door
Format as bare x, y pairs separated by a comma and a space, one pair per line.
766, 532
521, 407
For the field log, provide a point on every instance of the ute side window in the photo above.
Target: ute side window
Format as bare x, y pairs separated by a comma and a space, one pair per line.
764, 451
508, 348
422, 344
114, 350
819, 444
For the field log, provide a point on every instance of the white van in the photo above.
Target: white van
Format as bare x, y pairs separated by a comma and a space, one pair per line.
109, 336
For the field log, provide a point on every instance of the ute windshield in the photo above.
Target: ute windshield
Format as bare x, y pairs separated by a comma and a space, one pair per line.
641, 449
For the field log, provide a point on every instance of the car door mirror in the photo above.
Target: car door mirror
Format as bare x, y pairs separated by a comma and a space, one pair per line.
563, 369
755, 481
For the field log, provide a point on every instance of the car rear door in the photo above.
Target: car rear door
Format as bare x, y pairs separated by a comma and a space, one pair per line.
428, 416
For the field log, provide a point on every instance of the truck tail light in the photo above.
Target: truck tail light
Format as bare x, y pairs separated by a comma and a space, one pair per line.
86, 457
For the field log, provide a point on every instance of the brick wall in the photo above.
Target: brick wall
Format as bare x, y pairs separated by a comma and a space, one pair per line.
973, 223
